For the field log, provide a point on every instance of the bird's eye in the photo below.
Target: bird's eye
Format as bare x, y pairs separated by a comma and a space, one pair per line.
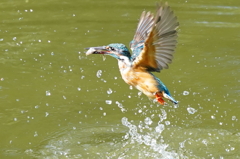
111, 48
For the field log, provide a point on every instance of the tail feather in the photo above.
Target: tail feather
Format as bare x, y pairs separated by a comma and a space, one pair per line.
165, 95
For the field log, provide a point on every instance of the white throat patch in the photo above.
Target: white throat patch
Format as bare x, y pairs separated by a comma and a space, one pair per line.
125, 60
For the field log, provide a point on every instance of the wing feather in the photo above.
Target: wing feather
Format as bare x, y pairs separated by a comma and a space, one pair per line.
155, 39
144, 27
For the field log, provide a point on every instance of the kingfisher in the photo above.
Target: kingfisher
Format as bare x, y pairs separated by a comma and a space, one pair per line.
152, 47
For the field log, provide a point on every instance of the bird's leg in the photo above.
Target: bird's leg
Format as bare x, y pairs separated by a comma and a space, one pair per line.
159, 97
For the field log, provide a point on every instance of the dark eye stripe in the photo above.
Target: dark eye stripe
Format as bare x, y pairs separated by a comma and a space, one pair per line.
111, 48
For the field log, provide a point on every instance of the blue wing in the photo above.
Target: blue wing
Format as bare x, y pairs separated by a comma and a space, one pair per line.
155, 39
144, 27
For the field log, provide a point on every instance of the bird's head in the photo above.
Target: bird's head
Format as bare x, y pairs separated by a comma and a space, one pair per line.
115, 50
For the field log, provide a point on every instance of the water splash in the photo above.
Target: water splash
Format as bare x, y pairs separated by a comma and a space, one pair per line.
191, 110
148, 121
104, 58
185, 93
99, 73
48, 93
109, 91
108, 102
149, 136
121, 106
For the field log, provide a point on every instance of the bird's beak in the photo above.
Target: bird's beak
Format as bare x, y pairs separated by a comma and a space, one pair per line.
97, 50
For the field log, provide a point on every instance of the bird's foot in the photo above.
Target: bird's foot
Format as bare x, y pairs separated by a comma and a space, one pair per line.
159, 98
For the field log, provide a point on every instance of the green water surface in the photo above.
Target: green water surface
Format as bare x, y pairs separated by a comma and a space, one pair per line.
56, 102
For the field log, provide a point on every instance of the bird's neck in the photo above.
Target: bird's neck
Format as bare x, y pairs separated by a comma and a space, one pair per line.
124, 62
125, 68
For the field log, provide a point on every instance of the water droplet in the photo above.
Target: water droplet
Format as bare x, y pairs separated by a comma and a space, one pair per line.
159, 128
148, 121
213, 117
46, 114
79, 89
104, 58
108, 101
167, 122
191, 110
234, 117
35, 134
139, 93
109, 91
103, 80
175, 106
82, 77
99, 73
1, 79
64, 97
121, 106
205, 142
185, 93
48, 93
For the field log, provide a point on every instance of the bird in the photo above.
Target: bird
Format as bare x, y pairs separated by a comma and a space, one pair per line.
152, 47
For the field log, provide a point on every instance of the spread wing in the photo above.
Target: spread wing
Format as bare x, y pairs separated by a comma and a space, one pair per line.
155, 39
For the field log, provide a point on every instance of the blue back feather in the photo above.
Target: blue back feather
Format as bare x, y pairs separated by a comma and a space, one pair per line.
136, 48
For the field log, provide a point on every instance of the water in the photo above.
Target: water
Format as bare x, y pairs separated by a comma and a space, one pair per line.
58, 103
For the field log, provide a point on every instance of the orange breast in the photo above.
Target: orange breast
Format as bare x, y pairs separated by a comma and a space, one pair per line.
142, 80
